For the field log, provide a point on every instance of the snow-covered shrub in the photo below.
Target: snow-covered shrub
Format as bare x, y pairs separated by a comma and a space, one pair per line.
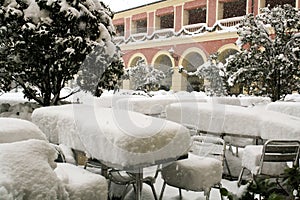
144, 77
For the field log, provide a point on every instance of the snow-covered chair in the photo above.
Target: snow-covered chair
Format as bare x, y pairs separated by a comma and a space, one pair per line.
201, 171
269, 160
26, 171
82, 184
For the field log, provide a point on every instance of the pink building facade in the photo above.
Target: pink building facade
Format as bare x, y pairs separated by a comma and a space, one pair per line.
172, 33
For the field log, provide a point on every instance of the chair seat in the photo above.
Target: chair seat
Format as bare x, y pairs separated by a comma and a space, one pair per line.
81, 183
195, 173
251, 160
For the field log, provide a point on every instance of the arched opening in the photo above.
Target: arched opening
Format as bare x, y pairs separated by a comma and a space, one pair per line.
191, 62
164, 63
225, 54
134, 61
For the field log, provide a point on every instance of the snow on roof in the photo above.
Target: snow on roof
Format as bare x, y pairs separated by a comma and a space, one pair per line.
116, 137
18, 162
235, 120
12, 130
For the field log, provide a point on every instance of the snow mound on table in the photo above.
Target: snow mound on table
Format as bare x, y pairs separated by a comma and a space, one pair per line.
235, 120
82, 184
292, 97
26, 171
216, 118
13, 130
290, 108
116, 137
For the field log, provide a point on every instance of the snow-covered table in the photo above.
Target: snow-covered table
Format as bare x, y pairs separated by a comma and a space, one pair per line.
13, 130
155, 105
235, 120
118, 138
287, 107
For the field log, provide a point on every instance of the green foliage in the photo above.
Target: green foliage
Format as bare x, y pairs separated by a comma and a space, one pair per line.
43, 43
268, 61
275, 190
100, 71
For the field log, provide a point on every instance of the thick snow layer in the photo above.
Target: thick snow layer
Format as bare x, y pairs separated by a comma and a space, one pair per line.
154, 105
235, 120
12, 130
82, 184
26, 171
253, 100
195, 173
116, 137
58, 124
292, 97
290, 108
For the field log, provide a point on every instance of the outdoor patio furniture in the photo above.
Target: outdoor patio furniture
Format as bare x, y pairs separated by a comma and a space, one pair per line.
119, 139
201, 171
270, 159
13, 130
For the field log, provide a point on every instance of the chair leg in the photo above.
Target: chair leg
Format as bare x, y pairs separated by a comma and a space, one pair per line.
124, 192
207, 194
227, 167
153, 191
180, 193
162, 190
239, 182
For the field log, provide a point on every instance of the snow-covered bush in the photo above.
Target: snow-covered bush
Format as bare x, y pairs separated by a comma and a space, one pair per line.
144, 77
268, 61
214, 74
43, 44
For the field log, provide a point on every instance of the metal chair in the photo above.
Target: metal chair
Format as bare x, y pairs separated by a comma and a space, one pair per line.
121, 177
269, 160
201, 171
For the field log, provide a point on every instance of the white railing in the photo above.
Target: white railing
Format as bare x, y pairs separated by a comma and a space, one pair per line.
191, 28
139, 36
164, 32
229, 22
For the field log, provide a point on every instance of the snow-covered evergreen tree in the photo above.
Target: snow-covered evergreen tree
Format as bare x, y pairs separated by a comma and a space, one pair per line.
268, 63
213, 72
144, 77
43, 43
100, 71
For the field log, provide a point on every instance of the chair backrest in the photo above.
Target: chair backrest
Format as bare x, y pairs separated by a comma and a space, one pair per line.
280, 151
208, 146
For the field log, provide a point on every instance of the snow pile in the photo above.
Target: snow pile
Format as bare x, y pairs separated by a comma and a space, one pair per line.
26, 171
154, 105
82, 184
116, 137
57, 123
292, 97
235, 120
290, 108
253, 100
13, 130
195, 173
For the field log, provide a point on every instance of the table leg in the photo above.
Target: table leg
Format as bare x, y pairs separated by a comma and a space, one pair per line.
139, 183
